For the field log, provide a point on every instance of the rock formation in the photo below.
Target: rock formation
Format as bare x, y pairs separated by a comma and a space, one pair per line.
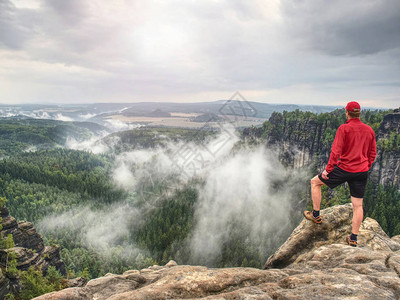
29, 249
313, 262
29, 245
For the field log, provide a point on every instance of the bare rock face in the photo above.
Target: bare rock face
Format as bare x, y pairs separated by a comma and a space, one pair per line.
24, 234
51, 256
314, 262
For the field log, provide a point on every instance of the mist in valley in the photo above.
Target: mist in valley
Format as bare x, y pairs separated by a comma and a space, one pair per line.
243, 193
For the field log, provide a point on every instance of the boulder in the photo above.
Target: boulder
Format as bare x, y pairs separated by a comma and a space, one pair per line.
171, 263
75, 282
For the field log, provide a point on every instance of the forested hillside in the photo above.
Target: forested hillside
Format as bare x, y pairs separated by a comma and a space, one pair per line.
150, 137
69, 170
19, 134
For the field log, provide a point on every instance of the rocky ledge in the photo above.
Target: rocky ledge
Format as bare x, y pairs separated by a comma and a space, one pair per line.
313, 262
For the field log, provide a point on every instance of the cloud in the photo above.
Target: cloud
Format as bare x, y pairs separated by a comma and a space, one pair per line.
249, 189
117, 125
61, 117
34, 114
72, 12
94, 144
97, 229
183, 50
13, 34
87, 116
345, 28
123, 176
31, 148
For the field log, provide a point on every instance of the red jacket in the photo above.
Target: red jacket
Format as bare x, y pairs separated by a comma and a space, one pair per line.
354, 147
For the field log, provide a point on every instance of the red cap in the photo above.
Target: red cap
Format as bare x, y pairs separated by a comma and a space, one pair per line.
353, 106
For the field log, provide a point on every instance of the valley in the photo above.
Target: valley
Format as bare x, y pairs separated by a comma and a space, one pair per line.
201, 197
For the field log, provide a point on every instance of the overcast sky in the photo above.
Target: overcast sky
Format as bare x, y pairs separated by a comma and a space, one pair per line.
289, 51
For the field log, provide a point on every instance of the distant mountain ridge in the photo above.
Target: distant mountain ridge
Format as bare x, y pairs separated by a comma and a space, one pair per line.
96, 110
261, 110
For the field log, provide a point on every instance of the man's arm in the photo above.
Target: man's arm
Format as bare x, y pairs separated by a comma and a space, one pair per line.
337, 148
372, 151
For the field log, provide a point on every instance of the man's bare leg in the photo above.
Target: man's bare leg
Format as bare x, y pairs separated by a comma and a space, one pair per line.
358, 213
316, 184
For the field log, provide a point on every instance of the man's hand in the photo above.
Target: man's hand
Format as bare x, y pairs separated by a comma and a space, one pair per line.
325, 175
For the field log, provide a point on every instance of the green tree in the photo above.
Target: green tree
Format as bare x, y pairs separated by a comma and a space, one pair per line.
33, 284
54, 278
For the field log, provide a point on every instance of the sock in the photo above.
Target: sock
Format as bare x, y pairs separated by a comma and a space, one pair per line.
353, 237
315, 213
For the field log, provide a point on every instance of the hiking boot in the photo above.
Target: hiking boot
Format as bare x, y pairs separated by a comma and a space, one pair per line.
309, 215
351, 242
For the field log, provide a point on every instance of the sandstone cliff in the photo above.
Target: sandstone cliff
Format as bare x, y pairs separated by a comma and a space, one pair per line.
386, 169
313, 262
29, 249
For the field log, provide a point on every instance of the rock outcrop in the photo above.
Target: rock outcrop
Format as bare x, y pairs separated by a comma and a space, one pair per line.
29, 245
313, 262
29, 250
335, 228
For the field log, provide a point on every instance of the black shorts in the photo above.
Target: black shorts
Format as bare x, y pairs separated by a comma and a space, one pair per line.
356, 181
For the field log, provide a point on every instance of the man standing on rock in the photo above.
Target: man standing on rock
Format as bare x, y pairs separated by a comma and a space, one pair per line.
353, 152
